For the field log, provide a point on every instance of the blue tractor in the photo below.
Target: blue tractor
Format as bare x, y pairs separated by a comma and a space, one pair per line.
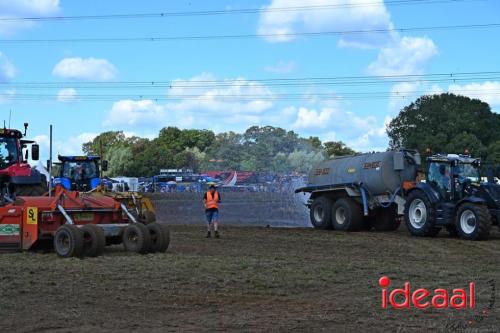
80, 173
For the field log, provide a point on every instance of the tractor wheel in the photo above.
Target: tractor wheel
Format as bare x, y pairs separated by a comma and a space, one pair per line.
473, 221
68, 241
347, 215
148, 217
420, 215
34, 190
386, 219
94, 240
160, 237
136, 238
320, 213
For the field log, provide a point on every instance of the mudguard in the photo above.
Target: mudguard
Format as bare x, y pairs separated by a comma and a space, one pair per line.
34, 178
429, 191
474, 200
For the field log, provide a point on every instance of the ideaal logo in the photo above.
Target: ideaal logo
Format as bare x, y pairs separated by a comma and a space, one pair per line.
421, 298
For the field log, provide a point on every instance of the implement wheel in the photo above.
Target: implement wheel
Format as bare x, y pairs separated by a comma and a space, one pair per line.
68, 241
160, 237
136, 238
347, 215
320, 213
94, 240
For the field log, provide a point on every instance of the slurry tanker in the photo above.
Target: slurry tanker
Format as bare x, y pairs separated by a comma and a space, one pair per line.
378, 190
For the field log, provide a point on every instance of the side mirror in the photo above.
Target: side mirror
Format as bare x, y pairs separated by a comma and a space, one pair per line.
104, 165
35, 152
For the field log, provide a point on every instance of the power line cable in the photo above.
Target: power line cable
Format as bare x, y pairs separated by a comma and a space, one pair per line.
244, 36
263, 82
231, 11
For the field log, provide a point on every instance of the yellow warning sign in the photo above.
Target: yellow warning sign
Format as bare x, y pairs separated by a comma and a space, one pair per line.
32, 215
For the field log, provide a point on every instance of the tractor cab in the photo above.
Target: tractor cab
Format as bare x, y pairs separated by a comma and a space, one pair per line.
80, 173
16, 175
452, 176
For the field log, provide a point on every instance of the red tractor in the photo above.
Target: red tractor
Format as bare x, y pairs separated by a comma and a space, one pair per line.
16, 175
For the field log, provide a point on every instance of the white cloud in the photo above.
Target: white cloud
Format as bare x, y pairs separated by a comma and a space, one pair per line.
196, 102
24, 8
7, 68
281, 67
404, 57
88, 69
67, 95
135, 113
359, 15
310, 118
230, 96
488, 91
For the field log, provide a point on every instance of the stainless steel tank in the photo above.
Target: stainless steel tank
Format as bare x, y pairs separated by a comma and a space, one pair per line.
380, 173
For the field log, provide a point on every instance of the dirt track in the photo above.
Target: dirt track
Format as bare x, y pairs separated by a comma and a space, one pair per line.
253, 279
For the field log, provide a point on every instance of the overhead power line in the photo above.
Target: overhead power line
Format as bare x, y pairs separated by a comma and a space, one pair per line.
208, 37
242, 97
267, 82
231, 11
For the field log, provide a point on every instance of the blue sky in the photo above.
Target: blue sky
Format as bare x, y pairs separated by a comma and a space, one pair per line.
332, 112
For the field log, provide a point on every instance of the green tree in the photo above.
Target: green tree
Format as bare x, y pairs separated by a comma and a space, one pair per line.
336, 149
443, 122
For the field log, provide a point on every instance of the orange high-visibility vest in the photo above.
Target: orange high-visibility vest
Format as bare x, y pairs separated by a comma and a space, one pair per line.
212, 201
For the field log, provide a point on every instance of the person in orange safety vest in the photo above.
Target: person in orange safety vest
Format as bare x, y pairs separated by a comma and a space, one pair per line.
212, 199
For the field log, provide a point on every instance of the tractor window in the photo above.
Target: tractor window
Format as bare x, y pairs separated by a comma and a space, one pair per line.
8, 152
79, 171
468, 172
440, 177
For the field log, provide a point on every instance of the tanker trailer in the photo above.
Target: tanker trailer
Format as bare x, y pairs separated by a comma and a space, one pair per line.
361, 192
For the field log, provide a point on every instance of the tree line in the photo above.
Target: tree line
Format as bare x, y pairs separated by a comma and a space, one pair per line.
444, 123
266, 149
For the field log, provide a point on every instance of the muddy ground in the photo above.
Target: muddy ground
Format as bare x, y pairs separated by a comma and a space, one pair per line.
252, 279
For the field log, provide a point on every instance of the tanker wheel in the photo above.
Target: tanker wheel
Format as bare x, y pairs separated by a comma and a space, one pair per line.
386, 219
160, 237
473, 221
68, 241
347, 215
94, 240
148, 217
320, 213
420, 215
136, 238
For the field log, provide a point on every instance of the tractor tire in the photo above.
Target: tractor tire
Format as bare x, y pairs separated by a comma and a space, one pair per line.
160, 237
473, 221
386, 219
148, 217
35, 190
320, 213
166, 234
68, 241
94, 240
347, 215
136, 238
420, 215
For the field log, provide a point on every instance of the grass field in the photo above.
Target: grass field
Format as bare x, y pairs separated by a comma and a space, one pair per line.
252, 279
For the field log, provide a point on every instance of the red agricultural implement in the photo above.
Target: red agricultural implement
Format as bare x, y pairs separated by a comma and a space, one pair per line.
76, 224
